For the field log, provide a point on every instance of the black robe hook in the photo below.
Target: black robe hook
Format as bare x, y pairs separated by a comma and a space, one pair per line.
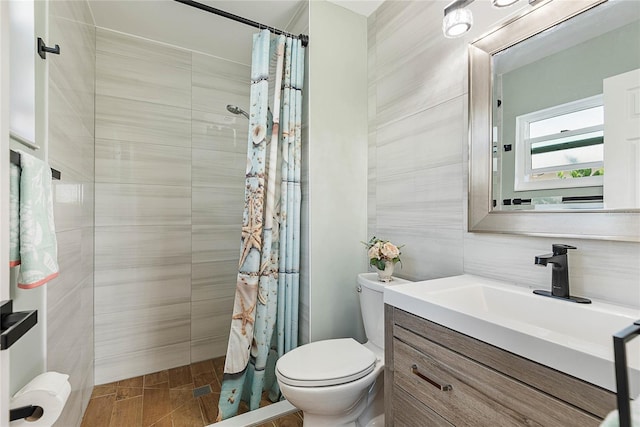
43, 49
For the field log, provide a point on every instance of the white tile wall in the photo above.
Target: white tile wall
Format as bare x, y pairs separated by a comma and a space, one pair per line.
124, 119
170, 163
142, 80
219, 163
418, 125
136, 204
132, 364
151, 328
216, 243
128, 289
69, 314
119, 44
128, 162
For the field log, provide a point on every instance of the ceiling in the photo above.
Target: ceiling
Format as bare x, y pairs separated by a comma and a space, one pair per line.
180, 25
361, 7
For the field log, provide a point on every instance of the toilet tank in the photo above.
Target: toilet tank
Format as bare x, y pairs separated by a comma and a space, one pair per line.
372, 305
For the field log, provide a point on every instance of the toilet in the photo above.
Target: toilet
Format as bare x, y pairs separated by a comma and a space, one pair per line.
339, 382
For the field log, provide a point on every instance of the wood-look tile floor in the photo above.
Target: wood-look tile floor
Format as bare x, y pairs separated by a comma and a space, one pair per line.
166, 399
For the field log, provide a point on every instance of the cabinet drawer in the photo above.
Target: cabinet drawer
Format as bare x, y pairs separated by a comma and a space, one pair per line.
408, 412
580, 394
478, 396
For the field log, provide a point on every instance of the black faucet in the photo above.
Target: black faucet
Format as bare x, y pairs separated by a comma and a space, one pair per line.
559, 274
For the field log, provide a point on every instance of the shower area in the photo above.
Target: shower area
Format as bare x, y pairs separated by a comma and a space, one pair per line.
171, 128
170, 164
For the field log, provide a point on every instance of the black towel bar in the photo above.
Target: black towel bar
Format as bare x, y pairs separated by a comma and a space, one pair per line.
15, 159
14, 325
622, 380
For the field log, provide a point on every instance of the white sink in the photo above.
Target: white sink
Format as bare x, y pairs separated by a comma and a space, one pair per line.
570, 337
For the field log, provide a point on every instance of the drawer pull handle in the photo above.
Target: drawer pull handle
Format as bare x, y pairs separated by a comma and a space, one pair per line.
445, 387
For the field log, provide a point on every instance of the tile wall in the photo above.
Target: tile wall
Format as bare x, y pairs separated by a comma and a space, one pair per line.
169, 195
219, 158
69, 314
417, 105
418, 164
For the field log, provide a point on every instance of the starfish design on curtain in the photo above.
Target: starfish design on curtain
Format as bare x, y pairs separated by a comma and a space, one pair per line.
266, 302
245, 315
252, 231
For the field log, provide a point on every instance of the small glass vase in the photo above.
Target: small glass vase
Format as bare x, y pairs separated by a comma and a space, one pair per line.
385, 275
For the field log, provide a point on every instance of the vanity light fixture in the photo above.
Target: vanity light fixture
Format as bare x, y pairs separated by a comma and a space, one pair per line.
457, 19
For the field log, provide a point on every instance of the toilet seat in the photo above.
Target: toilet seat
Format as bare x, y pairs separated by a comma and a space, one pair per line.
326, 363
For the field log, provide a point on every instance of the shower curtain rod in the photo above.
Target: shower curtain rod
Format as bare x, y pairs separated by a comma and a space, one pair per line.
303, 37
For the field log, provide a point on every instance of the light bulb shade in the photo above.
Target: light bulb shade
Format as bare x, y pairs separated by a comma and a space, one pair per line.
502, 3
457, 22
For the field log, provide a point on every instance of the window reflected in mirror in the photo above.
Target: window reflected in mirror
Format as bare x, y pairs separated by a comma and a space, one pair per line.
557, 110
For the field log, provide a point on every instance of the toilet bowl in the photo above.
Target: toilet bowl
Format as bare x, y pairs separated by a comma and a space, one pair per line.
339, 382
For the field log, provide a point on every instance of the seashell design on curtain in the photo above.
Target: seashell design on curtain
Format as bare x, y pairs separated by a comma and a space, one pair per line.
264, 325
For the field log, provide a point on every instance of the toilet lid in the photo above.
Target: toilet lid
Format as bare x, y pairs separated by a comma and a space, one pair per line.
325, 363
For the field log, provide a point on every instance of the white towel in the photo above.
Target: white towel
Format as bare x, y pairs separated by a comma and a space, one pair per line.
612, 419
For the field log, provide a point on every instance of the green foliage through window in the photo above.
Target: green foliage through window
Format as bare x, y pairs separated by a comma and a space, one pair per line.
580, 173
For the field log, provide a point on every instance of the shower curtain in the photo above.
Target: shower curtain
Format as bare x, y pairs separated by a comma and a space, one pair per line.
264, 324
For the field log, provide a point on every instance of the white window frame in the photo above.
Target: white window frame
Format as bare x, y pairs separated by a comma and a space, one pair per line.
523, 147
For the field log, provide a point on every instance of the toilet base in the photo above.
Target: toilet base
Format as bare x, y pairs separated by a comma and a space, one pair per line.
373, 415
370, 407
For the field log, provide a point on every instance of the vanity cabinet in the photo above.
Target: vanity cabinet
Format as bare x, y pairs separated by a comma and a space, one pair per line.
435, 376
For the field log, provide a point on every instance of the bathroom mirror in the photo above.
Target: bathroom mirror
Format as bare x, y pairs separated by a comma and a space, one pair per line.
544, 90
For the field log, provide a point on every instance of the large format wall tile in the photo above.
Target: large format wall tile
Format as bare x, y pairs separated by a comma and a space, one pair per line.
215, 279
210, 167
71, 73
220, 204
206, 65
215, 243
134, 204
424, 140
129, 162
69, 315
69, 205
128, 289
210, 325
419, 200
132, 78
129, 365
406, 49
204, 325
136, 246
217, 82
215, 96
74, 334
219, 147
143, 287
71, 142
203, 349
72, 11
137, 121
71, 268
134, 47
142, 329
220, 132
